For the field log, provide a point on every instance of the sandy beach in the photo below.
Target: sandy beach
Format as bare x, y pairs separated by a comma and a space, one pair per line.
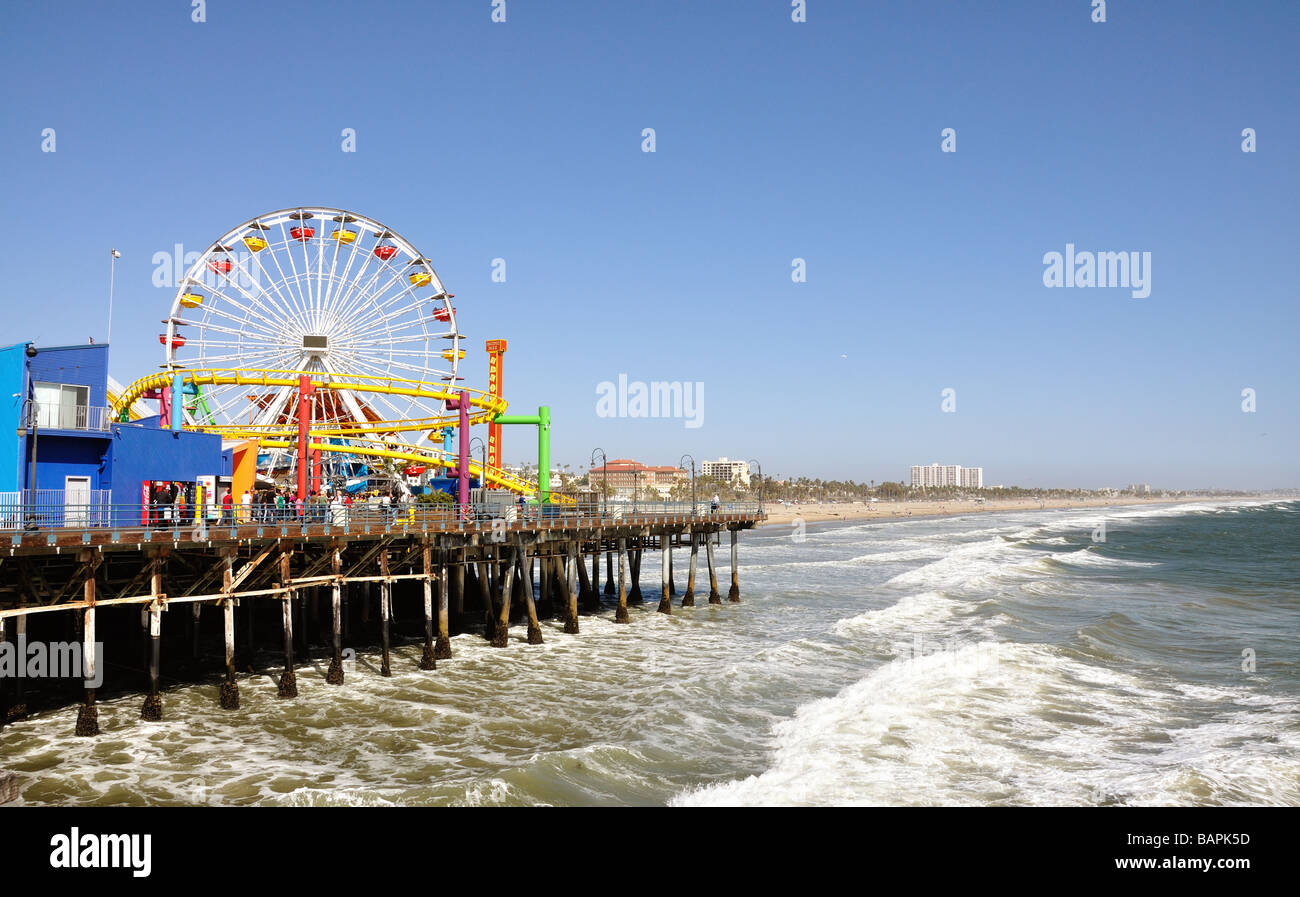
813, 512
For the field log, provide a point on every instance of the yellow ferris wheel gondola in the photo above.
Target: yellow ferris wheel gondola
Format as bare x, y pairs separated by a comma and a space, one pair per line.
420, 274
254, 239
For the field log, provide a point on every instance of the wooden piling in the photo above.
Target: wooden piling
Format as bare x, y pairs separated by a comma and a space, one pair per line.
534, 626
4, 680
18, 709
668, 547
573, 563
688, 600
733, 594
620, 615
442, 650
714, 597
334, 676
501, 629
427, 659
665, 596
385, 613
88, 714
152, 709
634, 593
609, 572
485, 600
229, 699
288, 687
458, 589
586, 595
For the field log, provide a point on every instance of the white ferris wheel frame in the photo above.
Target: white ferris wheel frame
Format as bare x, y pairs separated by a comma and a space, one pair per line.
256, 315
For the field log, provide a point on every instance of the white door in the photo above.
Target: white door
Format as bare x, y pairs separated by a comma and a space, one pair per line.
76, 501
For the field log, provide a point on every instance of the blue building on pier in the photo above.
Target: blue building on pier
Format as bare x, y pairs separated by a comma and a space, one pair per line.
63, 456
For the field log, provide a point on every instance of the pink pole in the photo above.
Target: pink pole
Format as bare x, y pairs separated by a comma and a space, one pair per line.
463, 461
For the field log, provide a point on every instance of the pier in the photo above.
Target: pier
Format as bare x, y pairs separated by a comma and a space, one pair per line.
314, 585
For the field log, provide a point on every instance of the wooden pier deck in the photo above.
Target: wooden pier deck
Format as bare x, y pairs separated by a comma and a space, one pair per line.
119, 581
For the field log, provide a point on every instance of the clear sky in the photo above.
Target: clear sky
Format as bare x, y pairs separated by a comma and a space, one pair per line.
775, 140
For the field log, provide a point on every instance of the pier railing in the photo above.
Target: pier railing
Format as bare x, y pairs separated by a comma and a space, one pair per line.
19, 515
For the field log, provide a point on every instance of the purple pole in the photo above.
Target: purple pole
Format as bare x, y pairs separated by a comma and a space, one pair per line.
463, 460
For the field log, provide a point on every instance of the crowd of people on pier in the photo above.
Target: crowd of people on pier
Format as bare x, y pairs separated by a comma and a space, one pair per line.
174, 507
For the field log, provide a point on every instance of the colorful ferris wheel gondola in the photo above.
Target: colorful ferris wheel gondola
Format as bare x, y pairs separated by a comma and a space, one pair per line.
384, 248
302, 232
220, 263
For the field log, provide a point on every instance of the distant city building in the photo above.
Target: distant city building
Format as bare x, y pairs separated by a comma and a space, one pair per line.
726, 470
1140, 488
926, 476
624, 475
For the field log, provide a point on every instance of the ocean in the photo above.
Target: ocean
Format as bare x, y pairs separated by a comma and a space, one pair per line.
991, 659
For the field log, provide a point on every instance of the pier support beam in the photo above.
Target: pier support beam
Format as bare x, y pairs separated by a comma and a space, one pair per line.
4, 680
586, 595
634, 594
609, 572
688, 600
334, 676
152, 709
485, 599
18, 709
427, 659
88, 714
229, 699
385, 613
714, 597
501, 628
458, 585
620, 615
665, 596
572, 566
442, 650
734, 593
668, 547
288, 687
525, 572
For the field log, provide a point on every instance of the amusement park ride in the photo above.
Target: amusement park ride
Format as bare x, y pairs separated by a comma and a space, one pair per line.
328, 342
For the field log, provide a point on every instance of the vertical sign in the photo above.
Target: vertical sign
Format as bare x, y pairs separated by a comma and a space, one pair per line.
495, 349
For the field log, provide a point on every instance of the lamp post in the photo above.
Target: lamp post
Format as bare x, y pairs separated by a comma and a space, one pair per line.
604, 473
483, 464
636, 486
483, 468
679, 464
760, 483
112, 267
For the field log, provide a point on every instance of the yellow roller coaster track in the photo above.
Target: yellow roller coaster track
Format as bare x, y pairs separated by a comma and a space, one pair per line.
487, 404
483, 406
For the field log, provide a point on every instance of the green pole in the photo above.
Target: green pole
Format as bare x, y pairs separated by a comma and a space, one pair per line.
541, 420
543, 455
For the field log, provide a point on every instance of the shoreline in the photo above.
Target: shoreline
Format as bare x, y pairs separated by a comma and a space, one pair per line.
822, 512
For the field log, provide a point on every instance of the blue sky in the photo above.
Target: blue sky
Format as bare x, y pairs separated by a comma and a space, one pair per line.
775, 140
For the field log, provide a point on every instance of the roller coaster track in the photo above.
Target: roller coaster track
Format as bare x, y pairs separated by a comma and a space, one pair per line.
483, 408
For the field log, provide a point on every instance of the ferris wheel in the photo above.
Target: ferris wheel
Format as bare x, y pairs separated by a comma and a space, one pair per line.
317, 291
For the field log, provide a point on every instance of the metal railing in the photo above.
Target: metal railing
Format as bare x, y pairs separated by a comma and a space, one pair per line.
20, 513
57, 416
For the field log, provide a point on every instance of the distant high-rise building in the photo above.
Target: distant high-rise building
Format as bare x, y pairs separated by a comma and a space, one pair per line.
925, 476
727, 471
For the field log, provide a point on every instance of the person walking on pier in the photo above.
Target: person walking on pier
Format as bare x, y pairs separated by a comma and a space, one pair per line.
716, 503
227, 509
